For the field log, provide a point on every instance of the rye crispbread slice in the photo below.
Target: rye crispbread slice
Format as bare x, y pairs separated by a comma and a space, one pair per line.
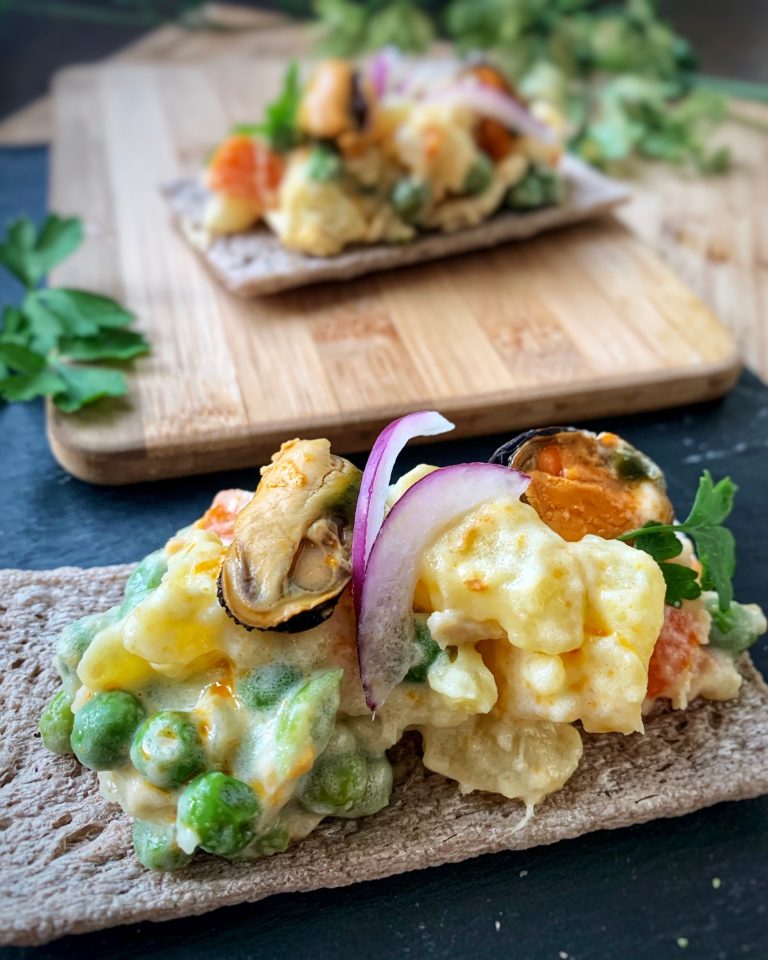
255, 263
66, 860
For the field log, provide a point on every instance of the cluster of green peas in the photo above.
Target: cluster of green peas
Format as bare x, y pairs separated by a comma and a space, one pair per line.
540, 187
410, 196
112, 730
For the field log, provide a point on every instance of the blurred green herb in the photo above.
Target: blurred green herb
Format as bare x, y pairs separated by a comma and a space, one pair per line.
620, 74
45, 338
353, 27
280, 127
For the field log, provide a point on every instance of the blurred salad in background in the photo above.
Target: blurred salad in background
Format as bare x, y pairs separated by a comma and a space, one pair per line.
620, 74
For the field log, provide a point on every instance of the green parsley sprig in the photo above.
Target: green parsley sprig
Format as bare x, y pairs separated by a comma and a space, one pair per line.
715, 545
280, 128
46, 339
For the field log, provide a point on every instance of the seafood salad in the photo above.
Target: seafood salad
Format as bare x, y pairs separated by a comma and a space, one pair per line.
382, 152
263, 662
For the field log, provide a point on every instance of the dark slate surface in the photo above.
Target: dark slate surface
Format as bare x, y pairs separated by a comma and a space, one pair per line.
645, 892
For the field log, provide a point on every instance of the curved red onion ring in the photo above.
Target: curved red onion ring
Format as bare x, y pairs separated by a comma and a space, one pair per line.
380, 69
497, 105
385, 629
369, 514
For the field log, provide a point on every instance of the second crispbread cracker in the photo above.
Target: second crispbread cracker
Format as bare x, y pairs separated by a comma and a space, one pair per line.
584, 320
67, 863
256, 262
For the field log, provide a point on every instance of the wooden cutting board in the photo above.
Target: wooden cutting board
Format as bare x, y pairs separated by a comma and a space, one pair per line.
585, 322
709, 229
217, 30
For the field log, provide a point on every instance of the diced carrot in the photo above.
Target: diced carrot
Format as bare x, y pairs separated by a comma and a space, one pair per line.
675, 649
219, 518
490, 135
433, 142
247, 168
492, 138
491, 77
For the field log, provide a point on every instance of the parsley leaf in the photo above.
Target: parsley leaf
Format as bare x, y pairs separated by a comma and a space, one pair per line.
713, 501
715, 544
29, 254
660, 543
45, 338
682, 583
108, 345
41, 327
280, 129
27, 374
84, 385
82, 313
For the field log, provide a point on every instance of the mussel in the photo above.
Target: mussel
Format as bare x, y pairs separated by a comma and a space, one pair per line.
290, 558
336, 101
582, 482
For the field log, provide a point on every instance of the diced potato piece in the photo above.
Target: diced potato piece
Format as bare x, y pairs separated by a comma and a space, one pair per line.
225, 214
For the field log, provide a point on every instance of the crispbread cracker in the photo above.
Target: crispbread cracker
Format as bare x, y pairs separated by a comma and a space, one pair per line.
66, 860
255, 263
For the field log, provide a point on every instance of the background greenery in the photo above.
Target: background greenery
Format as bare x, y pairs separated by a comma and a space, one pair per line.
623, 77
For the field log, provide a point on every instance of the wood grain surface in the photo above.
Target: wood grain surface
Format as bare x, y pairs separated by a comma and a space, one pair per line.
582, 323
225, 30
713, 231
255, 263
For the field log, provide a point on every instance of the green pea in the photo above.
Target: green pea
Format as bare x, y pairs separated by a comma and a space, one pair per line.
74, 640
410, 198
103, 729
167, 750
265, 687
274, 840
425, 652
540, 187
554, 188
221, 811
479, 176
56, 723
324, 163
527, 194
336, 784
378, 789
306, 720
144, 579
156, 846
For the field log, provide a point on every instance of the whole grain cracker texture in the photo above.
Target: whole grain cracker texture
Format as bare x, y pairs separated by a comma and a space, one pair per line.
255, 263
66, 862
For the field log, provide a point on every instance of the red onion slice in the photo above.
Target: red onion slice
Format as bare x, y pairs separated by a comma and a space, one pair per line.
380, 68
385, 630
369, 514
497, 105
